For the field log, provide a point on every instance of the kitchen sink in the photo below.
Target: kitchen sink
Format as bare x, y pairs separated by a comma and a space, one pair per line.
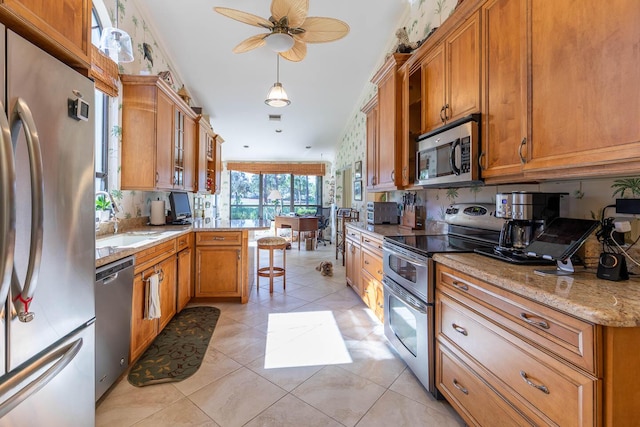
132, 239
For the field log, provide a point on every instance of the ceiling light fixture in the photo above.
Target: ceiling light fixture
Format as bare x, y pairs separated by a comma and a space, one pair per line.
279, 40
116, 43
277, 96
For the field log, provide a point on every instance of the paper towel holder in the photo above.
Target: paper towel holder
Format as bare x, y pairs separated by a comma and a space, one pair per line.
157, 213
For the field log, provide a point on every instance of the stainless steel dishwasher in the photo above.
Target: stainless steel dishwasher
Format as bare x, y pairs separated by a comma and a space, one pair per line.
114, 289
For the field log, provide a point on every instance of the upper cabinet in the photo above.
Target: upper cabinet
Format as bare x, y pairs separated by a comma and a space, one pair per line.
214, 168
451, 73
585, 90
158, 137
554, 105
63, 30
209, 158
387, 156
505, 123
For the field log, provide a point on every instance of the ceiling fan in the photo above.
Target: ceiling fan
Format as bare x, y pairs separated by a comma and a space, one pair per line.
289, 28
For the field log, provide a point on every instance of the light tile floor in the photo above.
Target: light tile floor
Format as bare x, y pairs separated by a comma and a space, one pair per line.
313, 355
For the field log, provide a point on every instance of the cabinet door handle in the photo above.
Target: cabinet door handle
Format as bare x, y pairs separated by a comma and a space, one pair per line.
157, 177
457, 385
480, 161
523, 160
542, 388
457, 285
218, 238
459, 329
366, 262
542, 324
393, 175
442, 116
446, 108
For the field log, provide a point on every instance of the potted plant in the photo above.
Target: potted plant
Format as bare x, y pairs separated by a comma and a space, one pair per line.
103, 208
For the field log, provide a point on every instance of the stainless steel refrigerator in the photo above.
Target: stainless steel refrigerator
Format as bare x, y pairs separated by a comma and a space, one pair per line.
47, 255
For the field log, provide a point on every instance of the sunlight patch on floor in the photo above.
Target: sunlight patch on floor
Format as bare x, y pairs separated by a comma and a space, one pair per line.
304, 339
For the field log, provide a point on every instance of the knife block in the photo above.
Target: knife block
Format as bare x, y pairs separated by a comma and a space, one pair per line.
412, 218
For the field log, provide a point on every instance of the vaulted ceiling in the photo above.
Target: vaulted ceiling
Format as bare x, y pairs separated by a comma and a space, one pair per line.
325, 88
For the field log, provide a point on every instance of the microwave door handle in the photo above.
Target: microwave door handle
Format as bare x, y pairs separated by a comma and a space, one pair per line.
7, 206
452, 157
23, 294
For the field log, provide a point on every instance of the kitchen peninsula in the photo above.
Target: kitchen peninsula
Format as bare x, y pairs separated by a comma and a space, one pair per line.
209, 260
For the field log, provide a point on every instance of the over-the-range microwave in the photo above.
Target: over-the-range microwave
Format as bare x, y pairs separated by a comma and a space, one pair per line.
449, 156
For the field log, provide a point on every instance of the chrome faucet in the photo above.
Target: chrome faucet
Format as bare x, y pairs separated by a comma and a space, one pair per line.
114, 207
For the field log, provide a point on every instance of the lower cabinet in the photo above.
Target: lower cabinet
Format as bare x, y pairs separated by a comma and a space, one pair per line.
144, 330
502, 359
363, 262
184, 246
221, 265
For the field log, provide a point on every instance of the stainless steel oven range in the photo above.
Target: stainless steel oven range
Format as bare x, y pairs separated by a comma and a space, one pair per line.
409, 282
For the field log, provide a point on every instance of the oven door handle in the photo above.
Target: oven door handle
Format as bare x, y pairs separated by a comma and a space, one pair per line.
406, 257
404, 296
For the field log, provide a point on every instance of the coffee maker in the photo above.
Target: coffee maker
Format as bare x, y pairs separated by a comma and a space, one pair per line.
526, 215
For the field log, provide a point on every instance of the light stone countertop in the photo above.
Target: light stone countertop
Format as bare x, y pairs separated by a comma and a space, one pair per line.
109, 254
581, 295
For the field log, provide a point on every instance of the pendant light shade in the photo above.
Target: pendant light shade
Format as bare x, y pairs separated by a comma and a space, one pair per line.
116, 44
277, 96
279, 42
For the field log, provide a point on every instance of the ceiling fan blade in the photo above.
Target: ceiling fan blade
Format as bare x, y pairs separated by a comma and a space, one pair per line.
295, 10
296, 53
322, 30
245, 17
251, 43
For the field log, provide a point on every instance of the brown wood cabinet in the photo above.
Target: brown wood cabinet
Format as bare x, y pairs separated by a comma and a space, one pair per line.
221, 265
215, 165
158, 259
364, 267
585, 97
505, 122
503, 356
388, 157
370, 109
158, 136
63, 30
352, 259
185, 270
451, 76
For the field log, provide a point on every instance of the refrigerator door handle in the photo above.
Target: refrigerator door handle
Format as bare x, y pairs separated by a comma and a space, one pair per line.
24, 294
7, 205
66, 354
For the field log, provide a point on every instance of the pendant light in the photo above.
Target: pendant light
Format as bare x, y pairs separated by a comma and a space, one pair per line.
277, 96
116, 43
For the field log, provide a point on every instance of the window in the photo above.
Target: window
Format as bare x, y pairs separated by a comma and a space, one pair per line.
250, 195
101, 120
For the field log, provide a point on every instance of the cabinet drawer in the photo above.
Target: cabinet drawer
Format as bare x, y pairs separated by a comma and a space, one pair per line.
374, 244
572, 339
537, 380
153, 255
184, 241
352, 234
216, 238
478, 403
372, 264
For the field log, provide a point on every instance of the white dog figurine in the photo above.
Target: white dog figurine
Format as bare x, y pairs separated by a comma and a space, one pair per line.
325, 268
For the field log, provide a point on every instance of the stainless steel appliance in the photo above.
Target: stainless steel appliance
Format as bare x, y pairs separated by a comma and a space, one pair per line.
527, 213
409, 282
114, 290
450, 155
382, 213
47, 243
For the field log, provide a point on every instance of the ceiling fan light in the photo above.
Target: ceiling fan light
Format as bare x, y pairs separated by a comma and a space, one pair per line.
280, 42
116, 44
277, 96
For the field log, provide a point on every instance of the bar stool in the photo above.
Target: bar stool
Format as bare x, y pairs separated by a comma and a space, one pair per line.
271, 271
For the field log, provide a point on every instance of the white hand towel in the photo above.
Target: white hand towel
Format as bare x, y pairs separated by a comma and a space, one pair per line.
152, 306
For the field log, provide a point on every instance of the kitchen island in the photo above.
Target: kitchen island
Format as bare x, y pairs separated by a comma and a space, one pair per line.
536, 349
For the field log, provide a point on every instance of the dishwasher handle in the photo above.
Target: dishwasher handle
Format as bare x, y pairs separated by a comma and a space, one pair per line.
109, 272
